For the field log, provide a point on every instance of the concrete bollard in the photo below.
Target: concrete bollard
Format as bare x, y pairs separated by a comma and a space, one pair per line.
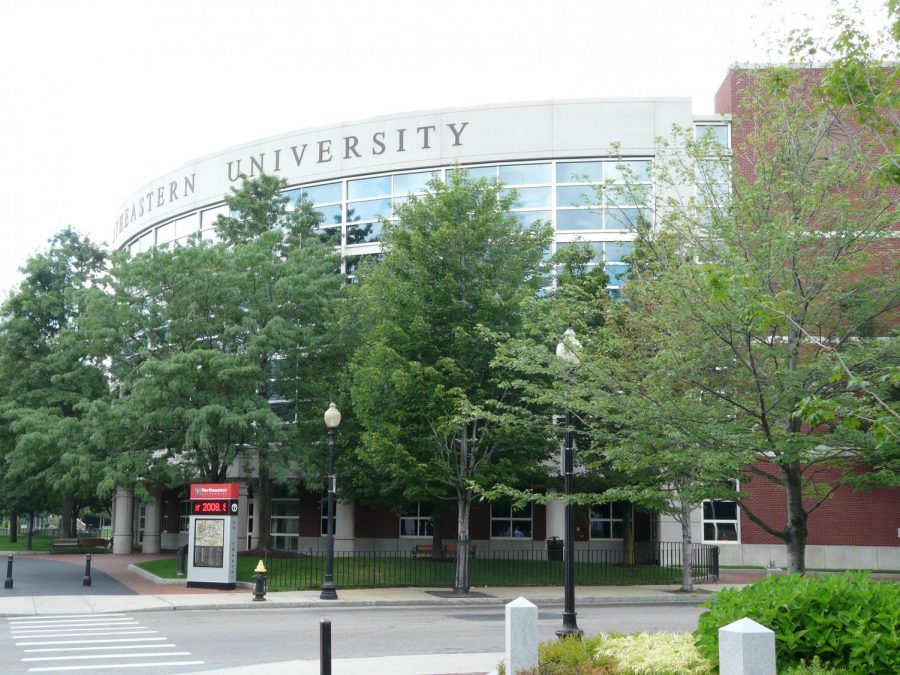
521, 636
746, 648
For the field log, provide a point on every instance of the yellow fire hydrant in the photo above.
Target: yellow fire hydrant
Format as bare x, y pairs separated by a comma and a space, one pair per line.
260, 576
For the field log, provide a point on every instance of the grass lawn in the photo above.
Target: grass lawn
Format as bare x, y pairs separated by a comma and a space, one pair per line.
287, 574
38, 543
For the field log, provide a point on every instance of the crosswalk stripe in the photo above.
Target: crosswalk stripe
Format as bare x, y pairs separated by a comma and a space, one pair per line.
82, 642
93, 666
72, 626
68, 622
87, 633
42, 617
96, 648
99, 656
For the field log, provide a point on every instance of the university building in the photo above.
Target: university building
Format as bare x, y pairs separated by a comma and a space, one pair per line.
550, 152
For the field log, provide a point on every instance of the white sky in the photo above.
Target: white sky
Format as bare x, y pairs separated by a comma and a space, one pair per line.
97, 97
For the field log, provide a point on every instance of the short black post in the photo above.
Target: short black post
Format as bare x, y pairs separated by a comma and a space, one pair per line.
87, 570
324, 647
9, 581
715, 563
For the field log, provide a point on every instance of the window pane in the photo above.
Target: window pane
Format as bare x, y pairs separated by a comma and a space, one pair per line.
600, 529
616, 274
618, 509
521, 528
293, 197
578, 172
524, 174
368, 210
628, 171
529, 218
580, 219
576, 195
726, 532
476, 172
405, 183
715, 171
369, 187
596, 247
360, 234
322, 194
500, 528
723, 510
716, 132
208, 217
529, 198
617, 250
622, 219
626, 195
709, 531
165, 234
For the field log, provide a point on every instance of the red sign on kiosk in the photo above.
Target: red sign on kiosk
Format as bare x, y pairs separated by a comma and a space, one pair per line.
214, 499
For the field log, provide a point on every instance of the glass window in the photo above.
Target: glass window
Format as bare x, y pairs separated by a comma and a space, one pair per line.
579, 219
617, 250
187, 225
715, 171
293, 197
596, 246
716, 132
579, 172
530, 198
720, 520
524, 174
208, 217
607, 520
415, 521
404, 183
362, 234
576, 195
510, 522
616, 274
323, 194
529, 218
184, 515
369, 210
331, 215
165, 234
285, 524
477, 172
626, 195
627, 170
324, 518
622, 219
369, 187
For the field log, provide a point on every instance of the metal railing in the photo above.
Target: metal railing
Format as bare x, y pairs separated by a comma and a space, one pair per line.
649, 563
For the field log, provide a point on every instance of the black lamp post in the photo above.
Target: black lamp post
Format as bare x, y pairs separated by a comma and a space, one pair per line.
564, 351
332, 420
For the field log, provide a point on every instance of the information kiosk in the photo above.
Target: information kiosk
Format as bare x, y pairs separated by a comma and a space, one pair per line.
212, 538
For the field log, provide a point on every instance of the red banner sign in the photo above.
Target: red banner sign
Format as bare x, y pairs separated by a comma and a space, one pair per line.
215, 490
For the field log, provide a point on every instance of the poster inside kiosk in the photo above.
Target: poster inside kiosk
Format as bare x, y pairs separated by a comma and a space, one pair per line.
212, 539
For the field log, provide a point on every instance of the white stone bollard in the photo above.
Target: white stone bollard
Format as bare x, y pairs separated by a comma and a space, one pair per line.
521, 636
746, 648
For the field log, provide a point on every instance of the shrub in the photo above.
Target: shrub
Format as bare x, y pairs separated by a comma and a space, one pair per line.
570, 657
655, 654
814, 668
848, 621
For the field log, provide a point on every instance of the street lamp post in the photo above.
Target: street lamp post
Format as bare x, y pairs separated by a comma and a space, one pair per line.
332, 420
564, 351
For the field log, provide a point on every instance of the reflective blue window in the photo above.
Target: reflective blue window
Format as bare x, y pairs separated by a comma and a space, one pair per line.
717, 132
323, 194
617, 274
330, 235
331, 214
576, 195
477, 172
579, 172
362, 234
528, 218
629, 170
529, 198
616, 250
596, 246
579, 219
368, 210
369, 187
405, 183
292, 195
622, 219
524, 174
626, 195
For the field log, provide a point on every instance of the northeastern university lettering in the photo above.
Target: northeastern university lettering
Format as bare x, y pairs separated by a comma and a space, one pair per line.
291, 157
346, 147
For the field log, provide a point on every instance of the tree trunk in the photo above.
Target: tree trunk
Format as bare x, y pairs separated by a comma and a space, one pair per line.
67, 526
464, 505
30, 531
13, 526
687, 577
263, 512
628, 533
795, 530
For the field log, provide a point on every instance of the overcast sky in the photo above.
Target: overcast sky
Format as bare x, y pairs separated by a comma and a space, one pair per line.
99, 97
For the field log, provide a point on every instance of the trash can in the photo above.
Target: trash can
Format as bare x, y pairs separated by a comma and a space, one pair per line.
554, 548
181, 569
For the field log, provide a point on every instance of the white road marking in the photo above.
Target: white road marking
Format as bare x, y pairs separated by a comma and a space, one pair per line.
82, 642
71, 626
100, 656
42, 617
95, 648
161, 664
68, 622
92, 633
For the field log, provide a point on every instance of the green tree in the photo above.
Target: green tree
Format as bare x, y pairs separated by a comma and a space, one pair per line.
48, 382
456, 271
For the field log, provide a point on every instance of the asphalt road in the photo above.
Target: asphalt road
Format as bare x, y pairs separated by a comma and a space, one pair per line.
49, 577
193, 641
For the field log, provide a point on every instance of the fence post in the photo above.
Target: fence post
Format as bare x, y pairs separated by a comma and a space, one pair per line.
714, 566
325, 647
746, 648
9, 580
521, 636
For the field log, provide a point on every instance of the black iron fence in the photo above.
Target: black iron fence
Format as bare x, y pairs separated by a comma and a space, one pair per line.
648, 563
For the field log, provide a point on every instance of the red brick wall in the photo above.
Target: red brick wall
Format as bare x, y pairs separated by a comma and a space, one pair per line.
848, 518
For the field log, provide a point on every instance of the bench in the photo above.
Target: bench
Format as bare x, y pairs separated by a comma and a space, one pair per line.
78, 544
449, 551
